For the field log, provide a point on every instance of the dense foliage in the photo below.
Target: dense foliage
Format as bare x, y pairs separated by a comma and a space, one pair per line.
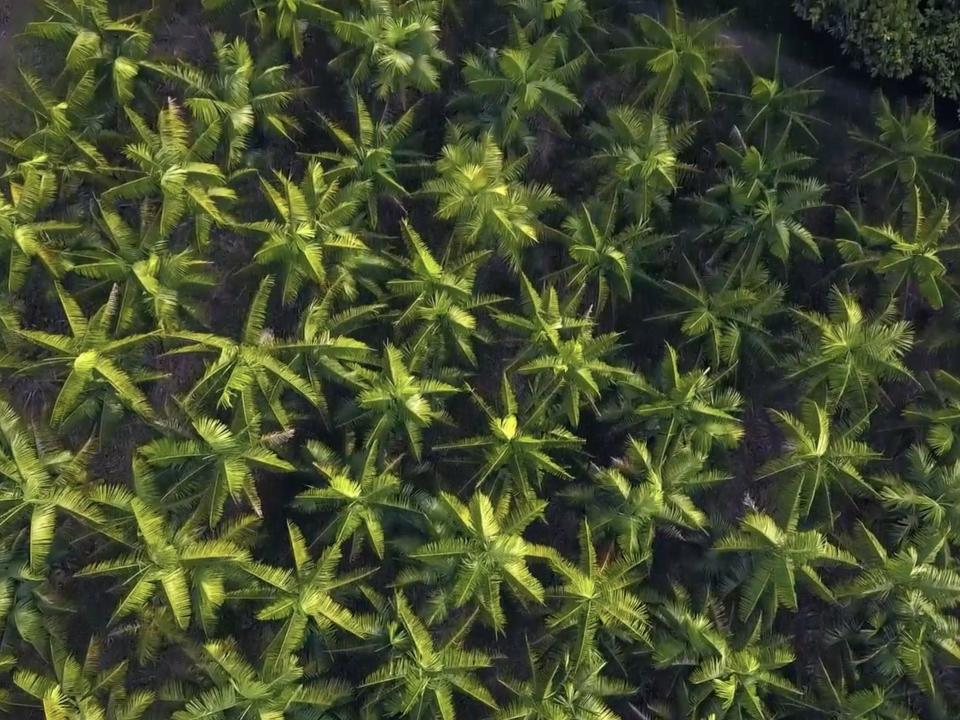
895, 38
526, 361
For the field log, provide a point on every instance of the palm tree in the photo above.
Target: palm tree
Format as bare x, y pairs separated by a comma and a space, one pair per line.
305, 596
483, 194
273, 690
478, 548
113, 49
943, 419
95, 369
846, 356
242, 95
374, 156
562, 687
419, 678
639, 154
595, 596
315, 226
396, 44
393, 399
660, 498
683, 56
822, 462
761, 205
567, 18
250, 372
439, 301
214, 463
910, 256
525, 82
24, 236
177, 171
774, 108
735, 685
153, 280
870, 703
84, 687
66, 131
177, 566
728, 313
908, 149
40, 482
909, 601
576, 371
779, 556
603, 256
361, 494
689, 406
524, 454
287, 20
546, 320
927, 498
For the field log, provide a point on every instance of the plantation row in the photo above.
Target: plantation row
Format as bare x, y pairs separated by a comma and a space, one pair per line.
450, 360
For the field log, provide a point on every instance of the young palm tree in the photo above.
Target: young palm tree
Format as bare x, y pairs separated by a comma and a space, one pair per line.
562, 687
274, 690
774, 108
846, 356
374, 156
287, 20
478, 548
603, 256
66, 132
909, 602
736, 685
439, 302
24, 236
84, 687
660, 498
394, 44
153, 280
394, 400
174, 167
315, 227
243, 94
523, 454
419, 678
682, 56
911, 256
95, 368
779, 556
176, 566
907, 149
483, 194
822, 462
596, 596
308, 595
546, 320
40, 482
526, 82
943, 419
927, 498
575, 371
568, 18
639, 154
728, 314
761, 203
250, 372
362, 495
688, 406
113, 49
212, 465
